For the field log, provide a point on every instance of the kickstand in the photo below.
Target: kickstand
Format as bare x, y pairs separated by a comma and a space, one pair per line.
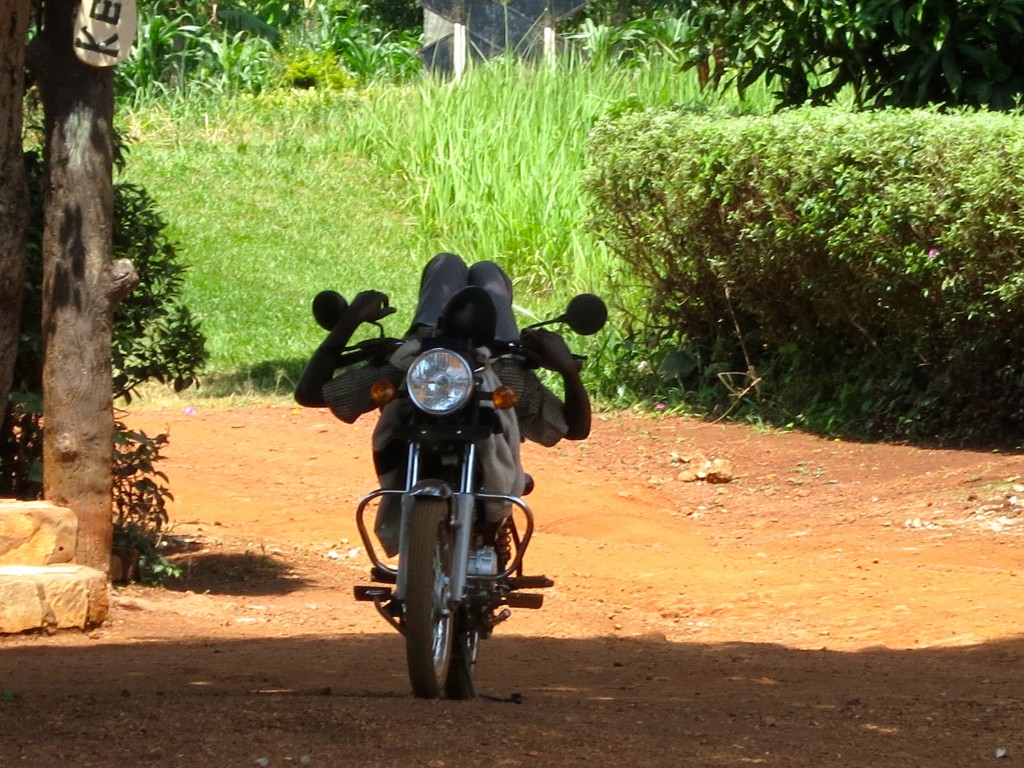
515, 698
467, 670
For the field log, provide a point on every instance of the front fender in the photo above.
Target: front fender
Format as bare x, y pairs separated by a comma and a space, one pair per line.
435, 489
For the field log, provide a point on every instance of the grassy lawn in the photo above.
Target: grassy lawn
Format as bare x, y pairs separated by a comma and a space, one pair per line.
264, 221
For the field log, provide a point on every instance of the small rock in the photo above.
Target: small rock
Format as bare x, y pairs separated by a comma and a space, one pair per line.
720, 471
1000, 752
262, 762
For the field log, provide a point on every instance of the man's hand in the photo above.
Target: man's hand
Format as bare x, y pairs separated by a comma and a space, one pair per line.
366, 307
369, 307
548, 350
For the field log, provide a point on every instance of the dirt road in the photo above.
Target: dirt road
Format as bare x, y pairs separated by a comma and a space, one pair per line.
833, 604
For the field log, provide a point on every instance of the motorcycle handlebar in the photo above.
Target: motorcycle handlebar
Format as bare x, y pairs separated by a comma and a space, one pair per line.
377, 347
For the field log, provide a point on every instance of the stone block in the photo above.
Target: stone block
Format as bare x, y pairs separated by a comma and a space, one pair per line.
36, 533
51, 597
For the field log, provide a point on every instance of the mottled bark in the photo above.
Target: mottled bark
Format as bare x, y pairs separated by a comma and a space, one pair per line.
81, 284
14, 17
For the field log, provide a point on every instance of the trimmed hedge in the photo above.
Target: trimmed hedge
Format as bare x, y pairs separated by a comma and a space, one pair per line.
864, 269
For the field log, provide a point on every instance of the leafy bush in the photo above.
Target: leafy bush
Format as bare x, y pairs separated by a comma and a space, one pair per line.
21, 447
852, 273
155, 336
314, 69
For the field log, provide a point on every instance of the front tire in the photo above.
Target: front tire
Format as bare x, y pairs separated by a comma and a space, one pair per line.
429, 621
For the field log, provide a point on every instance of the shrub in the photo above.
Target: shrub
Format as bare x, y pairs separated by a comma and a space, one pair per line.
863, 270
140, 501
155, 336
307, 68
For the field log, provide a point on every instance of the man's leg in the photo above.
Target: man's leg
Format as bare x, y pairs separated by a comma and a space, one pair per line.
492, 278
443, 277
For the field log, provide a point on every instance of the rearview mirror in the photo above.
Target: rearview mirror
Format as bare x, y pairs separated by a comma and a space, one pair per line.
586, 314
328, 307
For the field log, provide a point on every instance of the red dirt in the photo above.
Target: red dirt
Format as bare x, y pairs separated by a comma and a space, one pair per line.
835, 604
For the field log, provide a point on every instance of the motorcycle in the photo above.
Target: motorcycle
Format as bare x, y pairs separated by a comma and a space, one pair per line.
458, 571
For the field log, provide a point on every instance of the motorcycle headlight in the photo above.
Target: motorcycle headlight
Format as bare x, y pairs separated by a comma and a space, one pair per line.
440, 382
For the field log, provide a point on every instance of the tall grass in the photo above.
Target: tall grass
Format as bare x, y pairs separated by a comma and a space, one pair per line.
494, 161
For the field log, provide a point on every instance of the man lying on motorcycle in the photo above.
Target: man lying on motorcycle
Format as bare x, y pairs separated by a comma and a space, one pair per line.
449, 290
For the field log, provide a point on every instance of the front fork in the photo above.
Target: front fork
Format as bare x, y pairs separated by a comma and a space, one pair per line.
461, 506
461, 503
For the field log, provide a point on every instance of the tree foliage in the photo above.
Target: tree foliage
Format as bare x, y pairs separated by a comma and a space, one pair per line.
886, 52
156, 337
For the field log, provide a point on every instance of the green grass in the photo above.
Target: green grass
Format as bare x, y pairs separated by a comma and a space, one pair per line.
266, 213
272, 198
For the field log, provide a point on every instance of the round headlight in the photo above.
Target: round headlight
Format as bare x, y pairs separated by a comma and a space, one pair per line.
440, 382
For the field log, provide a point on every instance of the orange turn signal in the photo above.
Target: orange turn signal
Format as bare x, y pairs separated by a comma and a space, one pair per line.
504, 398
382, 393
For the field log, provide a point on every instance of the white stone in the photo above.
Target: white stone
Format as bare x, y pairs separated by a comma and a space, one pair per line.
36, 533
51, 597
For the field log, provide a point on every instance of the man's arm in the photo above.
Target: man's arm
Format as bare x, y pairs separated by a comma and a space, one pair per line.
366, 307
549, 350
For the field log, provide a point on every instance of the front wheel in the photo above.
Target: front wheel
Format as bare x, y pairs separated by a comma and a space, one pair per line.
428, 616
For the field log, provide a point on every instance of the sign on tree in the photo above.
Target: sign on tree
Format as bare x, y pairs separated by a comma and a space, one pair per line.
105, 31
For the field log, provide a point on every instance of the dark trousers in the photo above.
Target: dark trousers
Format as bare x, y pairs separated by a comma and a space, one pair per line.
446, 274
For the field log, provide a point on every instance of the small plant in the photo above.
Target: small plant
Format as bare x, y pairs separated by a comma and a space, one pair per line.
140, 502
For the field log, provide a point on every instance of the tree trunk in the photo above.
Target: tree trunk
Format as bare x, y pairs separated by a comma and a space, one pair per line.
81, 285
14, 16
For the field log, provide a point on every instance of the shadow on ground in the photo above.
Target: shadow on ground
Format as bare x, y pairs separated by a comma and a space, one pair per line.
232, 573
343, 701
